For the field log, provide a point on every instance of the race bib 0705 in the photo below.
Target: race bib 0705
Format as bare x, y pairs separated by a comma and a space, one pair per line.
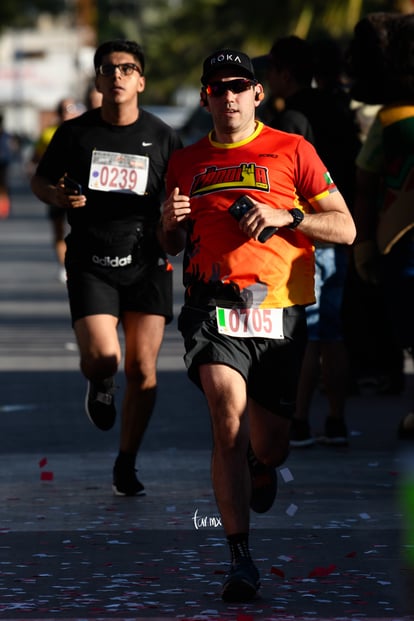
118, 172
251, 322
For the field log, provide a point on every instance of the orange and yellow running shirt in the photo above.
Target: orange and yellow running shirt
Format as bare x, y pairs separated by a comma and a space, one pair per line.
272, 167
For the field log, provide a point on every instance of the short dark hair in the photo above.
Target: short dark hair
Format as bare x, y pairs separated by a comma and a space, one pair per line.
401, 58
295, 55
369, 57
119, 45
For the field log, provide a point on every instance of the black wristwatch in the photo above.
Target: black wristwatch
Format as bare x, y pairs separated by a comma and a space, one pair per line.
297, 216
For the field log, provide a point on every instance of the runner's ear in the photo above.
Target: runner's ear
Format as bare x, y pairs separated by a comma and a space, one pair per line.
259, 94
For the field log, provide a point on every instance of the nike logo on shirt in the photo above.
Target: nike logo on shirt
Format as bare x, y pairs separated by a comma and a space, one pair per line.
146, 144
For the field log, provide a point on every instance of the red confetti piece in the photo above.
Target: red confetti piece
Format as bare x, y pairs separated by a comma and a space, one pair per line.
46, 476
351, 555
278, 572
245, 618
319, 572
43, 462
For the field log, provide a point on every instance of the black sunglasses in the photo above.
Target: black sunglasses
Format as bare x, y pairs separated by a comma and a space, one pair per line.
239, 85
124, 69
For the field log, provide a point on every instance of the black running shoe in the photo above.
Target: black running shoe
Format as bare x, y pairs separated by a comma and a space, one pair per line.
99, 404
125, 481
336, 432
406, 427
242, 582
264, 484
300, 435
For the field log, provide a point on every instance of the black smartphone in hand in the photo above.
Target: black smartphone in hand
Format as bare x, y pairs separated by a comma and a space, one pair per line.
72, 186
240, 207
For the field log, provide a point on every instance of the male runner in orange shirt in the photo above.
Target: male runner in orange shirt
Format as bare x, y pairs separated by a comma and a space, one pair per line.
243, 320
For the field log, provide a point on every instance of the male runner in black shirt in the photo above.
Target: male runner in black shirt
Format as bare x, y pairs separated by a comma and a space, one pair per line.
116, 271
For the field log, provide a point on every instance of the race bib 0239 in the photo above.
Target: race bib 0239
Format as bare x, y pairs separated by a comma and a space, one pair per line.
118, 172
251, 322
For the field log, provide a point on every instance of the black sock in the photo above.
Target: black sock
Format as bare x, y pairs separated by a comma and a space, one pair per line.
126, 459
239, 546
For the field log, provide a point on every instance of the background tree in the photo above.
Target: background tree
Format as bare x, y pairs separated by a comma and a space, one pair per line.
178, 34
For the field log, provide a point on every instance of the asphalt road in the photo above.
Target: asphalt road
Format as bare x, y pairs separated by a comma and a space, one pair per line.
333, 546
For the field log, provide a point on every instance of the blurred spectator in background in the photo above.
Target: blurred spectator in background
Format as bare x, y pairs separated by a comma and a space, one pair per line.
67, 108
384, 252
198, 124
321, 114
93, 98
369, 45
6, 154
289, 71
377, 364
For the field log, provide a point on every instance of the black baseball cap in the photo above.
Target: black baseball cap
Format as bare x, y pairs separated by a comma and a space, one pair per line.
227, 59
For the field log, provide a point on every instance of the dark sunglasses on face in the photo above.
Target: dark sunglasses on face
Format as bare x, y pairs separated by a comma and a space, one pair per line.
124, 69
239, 85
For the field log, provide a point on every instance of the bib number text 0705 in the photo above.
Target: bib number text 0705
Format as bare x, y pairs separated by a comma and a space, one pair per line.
251, 322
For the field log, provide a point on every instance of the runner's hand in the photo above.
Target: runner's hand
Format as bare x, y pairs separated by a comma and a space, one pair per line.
176, 209
68, 201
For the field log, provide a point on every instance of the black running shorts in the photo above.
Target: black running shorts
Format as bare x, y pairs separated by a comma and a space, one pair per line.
270, 367
103, 292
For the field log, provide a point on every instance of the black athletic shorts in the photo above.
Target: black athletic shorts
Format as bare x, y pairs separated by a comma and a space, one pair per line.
270, 367
112, 291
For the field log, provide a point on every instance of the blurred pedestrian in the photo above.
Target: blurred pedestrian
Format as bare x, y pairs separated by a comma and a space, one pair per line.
67, 108
377, 366
6, 154
289, 70
93, 98
323, 115
113, 160
384, 252
246, 201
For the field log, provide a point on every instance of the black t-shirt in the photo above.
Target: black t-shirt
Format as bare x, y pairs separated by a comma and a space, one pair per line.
291, 121
110, 213
335, 133
326, 120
